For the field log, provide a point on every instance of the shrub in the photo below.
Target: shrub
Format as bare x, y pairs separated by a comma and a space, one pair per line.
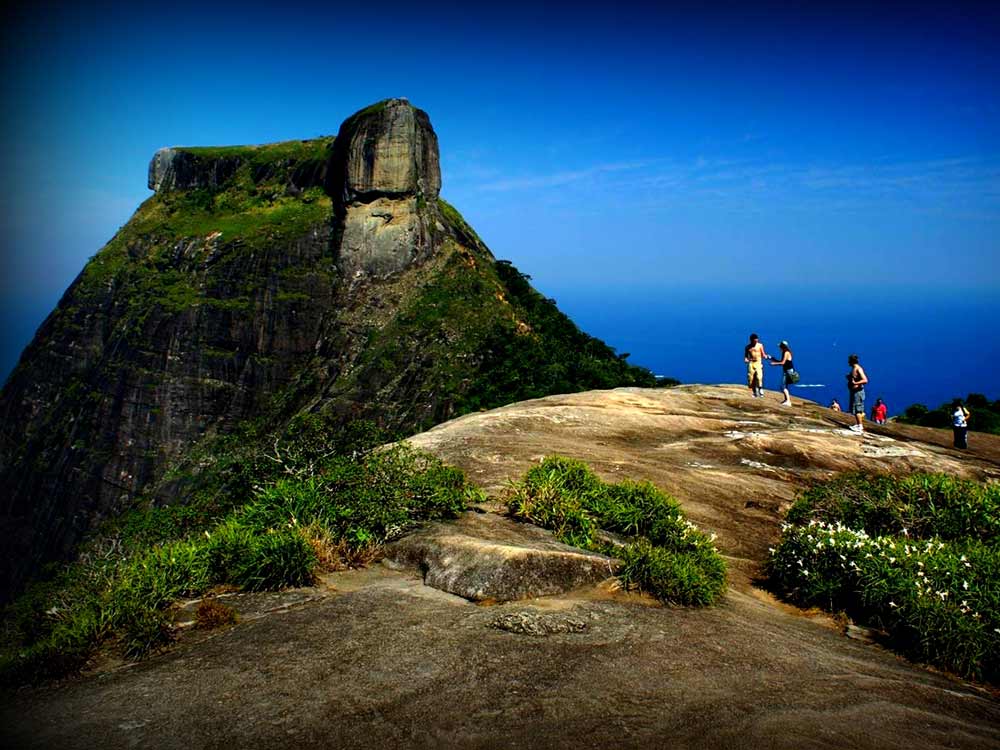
917, 557
693, 577
920, 505
665, 555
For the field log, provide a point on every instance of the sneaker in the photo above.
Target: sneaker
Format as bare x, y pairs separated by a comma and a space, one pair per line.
856, 428
785, 403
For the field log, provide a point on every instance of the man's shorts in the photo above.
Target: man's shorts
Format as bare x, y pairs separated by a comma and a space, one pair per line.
858, 401
755, 368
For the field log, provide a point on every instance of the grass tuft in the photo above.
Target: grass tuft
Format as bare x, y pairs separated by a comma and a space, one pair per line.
664, 554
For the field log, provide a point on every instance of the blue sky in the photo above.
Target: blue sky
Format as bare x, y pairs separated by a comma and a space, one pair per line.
629, 149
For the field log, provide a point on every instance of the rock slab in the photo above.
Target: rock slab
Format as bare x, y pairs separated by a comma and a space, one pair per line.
486, 557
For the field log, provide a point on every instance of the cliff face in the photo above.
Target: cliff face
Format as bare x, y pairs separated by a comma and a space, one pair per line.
256, 282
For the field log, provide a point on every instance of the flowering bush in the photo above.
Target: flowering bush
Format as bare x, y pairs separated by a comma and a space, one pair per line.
936, 595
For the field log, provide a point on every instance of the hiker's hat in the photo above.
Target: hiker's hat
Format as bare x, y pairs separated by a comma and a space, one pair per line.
784, 344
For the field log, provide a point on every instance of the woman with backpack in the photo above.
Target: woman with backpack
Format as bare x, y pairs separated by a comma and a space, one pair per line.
788, 375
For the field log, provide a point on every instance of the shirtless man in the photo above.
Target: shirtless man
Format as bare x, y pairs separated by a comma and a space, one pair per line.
754, 355
856, 380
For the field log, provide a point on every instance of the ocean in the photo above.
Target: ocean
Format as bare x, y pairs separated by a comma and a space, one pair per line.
916, 346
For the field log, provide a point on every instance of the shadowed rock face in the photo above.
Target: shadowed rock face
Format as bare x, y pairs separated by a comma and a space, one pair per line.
175, 169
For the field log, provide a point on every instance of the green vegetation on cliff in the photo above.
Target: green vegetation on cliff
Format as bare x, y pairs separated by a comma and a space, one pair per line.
663, 553
281, 156
475, 335
305, 507
916, 557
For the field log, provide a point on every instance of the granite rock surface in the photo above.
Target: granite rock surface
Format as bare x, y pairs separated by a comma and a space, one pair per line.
377, 657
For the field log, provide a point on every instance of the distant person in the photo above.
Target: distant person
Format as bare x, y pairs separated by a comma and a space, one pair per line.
788, 371
835, 405
879, 411
960, 424
856, 380
754, 355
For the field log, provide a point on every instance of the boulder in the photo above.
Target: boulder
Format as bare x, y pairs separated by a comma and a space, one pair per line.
486, 557
386, 150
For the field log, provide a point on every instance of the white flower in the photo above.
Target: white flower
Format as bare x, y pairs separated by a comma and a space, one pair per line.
965, 585
893, 604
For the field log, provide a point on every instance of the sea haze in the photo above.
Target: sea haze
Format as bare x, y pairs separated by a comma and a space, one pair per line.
920, 346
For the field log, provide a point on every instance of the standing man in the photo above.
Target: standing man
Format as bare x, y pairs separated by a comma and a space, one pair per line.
856, 380
754, 356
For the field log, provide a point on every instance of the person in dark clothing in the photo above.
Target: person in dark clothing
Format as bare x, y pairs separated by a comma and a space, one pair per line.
788, 369
960, 424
